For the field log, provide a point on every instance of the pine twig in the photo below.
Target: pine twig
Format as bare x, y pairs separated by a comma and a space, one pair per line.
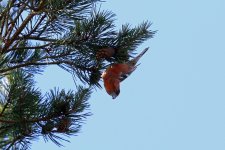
4, 108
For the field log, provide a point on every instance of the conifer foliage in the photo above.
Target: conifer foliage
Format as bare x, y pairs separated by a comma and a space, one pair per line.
75, 35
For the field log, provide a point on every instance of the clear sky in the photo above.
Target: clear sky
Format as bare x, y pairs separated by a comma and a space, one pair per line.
175, 100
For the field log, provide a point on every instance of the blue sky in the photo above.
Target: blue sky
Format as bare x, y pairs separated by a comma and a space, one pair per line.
175, 100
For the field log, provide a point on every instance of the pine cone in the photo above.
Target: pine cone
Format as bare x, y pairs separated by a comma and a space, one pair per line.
105, 53
64, 125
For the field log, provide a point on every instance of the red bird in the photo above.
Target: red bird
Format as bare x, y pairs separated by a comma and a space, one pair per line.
116, 73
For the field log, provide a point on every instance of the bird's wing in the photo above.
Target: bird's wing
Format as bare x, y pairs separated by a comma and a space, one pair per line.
123, 76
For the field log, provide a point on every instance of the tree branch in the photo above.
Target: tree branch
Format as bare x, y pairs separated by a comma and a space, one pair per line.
4, 108
14, 20
37, 24
2, 22
27, 37
20, 29
44, 64
46, 118
32, 47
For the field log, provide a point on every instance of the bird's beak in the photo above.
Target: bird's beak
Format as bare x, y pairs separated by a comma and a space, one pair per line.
114, 95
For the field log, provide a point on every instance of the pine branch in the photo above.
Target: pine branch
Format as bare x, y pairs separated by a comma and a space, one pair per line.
38, 23
64, 112
4, 108
13, 23
30, 48
128, 39
30, 64
16, 34
38, 38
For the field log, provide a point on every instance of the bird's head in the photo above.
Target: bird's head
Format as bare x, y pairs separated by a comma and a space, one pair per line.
115, 94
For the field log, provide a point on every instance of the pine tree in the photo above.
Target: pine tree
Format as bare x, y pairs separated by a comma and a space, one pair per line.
71, 34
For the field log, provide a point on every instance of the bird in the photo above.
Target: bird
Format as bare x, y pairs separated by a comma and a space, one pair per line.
118, 72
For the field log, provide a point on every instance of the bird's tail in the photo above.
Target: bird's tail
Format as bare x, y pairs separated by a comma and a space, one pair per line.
142, 53
136, 59
133, 64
